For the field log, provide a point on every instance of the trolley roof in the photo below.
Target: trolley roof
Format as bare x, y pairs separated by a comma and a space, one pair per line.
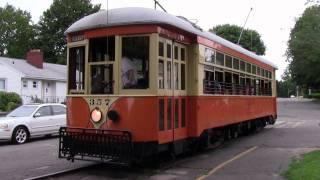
138, 15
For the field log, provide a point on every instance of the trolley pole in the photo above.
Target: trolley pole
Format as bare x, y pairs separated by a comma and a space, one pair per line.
244, 26
157, 3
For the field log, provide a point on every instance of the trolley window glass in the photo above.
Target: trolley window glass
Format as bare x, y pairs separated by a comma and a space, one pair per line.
236, 63
76, 68
209, 55
102, 79
242, 66
102, 49
220, 59
135, 62
229, 61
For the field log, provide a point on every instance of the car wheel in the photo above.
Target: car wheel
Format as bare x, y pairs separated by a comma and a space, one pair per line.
20, 135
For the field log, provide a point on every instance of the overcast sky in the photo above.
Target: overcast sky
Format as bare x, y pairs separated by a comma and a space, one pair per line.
273, 19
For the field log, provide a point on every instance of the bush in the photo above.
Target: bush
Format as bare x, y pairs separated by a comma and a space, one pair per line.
313, 96
9, 101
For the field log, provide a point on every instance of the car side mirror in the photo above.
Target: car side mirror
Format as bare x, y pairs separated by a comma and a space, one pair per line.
37, 115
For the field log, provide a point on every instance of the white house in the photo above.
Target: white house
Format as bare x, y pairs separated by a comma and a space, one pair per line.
33, 79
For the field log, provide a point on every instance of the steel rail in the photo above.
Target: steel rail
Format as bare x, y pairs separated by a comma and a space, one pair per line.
62, 172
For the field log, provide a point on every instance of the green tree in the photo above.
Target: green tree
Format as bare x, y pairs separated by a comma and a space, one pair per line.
54, 22
250, 40
286, 87
16, 32
303, 51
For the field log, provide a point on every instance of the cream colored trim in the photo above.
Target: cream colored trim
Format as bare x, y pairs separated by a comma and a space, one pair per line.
78, 43
274, 84
68, 54
87, 74
195, 70
84, 43
112, 95
117, 67
101, 63
234, 95
103, 103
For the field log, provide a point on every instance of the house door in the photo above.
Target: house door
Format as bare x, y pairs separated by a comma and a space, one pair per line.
47, 91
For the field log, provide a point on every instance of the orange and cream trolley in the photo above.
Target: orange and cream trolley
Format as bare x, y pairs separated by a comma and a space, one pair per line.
142, 82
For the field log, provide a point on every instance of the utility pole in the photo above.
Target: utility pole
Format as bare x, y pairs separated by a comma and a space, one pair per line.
244, 25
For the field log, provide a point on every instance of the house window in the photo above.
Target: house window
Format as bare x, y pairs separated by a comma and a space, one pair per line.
2, 84
34, 84
25, 83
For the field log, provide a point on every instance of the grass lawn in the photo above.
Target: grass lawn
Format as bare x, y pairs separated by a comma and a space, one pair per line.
307, 167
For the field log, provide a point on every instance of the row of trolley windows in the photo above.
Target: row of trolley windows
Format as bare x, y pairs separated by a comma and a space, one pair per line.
217, 81
221, 59
134, 64
178, 56
166, 111
171, 63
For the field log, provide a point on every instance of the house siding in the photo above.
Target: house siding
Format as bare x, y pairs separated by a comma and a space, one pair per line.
12, 79
61, 90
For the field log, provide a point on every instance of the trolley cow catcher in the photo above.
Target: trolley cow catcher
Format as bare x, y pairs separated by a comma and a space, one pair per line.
141, 82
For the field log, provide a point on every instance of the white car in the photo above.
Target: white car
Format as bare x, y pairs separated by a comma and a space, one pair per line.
32, 120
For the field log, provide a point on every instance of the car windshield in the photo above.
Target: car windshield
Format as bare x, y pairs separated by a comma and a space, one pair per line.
22, 111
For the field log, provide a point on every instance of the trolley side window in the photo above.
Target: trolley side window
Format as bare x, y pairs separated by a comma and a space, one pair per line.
135, 62
76, 68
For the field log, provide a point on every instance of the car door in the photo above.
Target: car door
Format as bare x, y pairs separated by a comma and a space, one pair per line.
59, 116
42, 121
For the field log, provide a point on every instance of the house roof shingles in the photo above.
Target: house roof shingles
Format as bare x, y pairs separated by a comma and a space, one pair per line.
48, 72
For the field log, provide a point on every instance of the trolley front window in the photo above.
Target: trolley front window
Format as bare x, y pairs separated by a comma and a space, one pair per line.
102, 79
101, 65
76, 68
102, 49
135, 62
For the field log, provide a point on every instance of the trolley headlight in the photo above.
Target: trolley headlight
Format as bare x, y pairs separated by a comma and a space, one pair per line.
96, 115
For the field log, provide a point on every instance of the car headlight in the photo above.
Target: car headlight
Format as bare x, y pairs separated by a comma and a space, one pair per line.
4, 126
96, 115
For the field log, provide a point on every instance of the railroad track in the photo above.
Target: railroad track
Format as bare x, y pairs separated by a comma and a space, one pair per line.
61, 173
164, 163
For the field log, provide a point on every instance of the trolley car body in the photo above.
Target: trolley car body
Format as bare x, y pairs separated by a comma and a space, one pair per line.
190, 84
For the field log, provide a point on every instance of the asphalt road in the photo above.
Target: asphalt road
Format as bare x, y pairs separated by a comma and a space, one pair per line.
261, 156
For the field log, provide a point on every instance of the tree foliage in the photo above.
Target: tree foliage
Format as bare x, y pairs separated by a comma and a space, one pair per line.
54, 22
286, 87
304, 49
16, 32
250, 40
